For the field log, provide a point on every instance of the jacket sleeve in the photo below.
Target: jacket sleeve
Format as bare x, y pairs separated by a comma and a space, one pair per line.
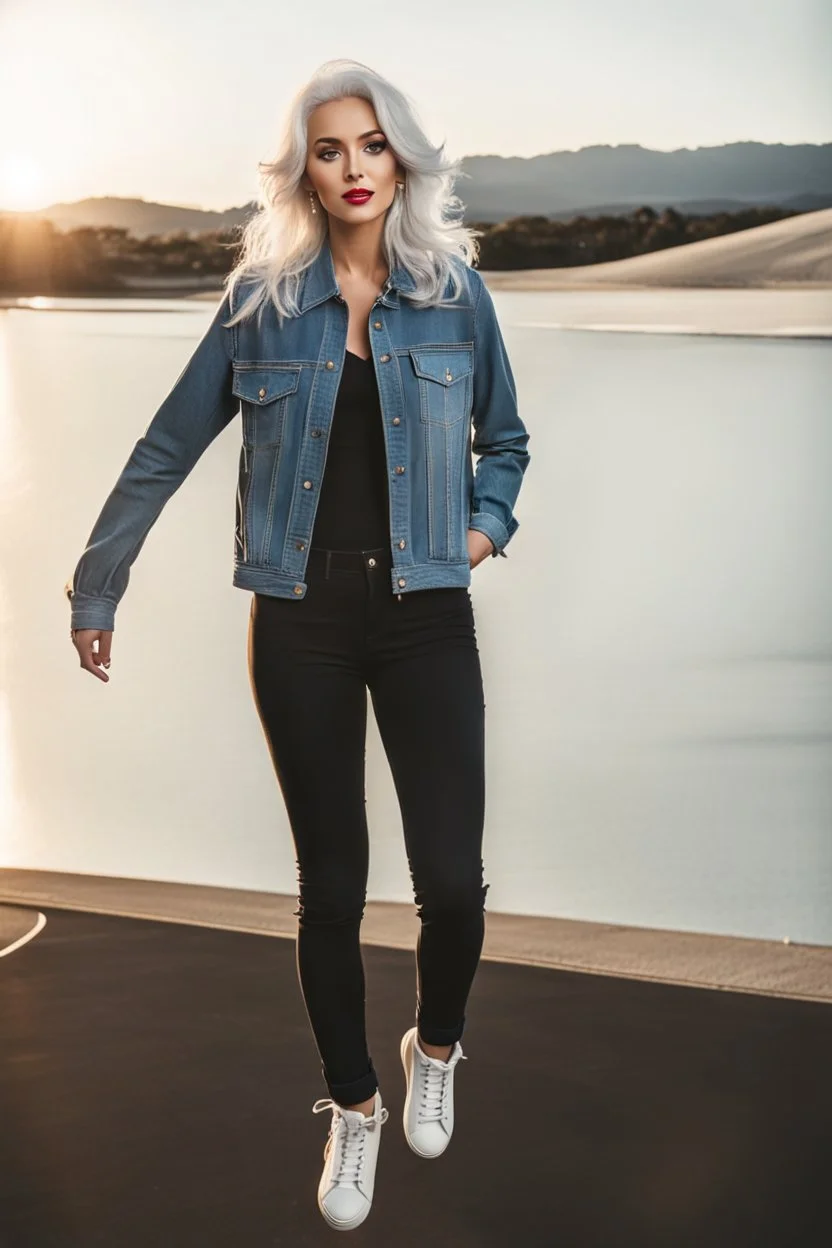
196, 410
500, 437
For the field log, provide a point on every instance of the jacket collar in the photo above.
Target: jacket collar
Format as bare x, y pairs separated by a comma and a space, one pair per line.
319, 282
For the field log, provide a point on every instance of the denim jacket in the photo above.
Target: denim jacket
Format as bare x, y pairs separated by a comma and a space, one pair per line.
439, 372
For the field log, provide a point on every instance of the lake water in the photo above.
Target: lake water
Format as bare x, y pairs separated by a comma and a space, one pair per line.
657, 647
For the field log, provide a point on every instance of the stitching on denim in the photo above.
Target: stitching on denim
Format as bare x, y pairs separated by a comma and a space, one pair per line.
267, 536
427, 426
434, 346
446, 471
246, 505
245, 366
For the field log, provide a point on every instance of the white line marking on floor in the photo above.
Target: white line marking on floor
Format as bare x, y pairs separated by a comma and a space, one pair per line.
24, 940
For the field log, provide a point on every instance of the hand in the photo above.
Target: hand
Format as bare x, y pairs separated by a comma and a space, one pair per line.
479, 547
83, 640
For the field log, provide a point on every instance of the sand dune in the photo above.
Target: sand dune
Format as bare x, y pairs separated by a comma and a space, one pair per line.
796, 252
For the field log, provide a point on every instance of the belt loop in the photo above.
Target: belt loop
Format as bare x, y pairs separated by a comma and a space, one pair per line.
326, 570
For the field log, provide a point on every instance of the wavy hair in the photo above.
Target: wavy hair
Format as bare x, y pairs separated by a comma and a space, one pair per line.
422, 232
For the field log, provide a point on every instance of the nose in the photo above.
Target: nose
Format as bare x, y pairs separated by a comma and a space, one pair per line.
354, 166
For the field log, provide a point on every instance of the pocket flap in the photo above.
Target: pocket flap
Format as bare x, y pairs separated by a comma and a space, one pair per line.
446, 366
264, 385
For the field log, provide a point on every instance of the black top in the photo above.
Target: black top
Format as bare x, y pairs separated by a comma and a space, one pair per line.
353, 507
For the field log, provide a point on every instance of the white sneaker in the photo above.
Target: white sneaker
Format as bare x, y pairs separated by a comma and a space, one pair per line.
345, 1192
429, 1104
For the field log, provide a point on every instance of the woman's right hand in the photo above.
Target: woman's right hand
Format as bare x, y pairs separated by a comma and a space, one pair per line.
83, 640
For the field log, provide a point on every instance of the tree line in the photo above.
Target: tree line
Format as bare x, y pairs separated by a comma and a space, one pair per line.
36, 258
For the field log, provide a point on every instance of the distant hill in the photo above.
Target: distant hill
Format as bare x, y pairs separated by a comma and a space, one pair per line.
794, 252
594, 178
141, 217
591, 181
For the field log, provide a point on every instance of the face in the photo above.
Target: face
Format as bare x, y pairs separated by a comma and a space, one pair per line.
346, 151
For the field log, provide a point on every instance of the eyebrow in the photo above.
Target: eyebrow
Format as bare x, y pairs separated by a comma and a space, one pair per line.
365, 135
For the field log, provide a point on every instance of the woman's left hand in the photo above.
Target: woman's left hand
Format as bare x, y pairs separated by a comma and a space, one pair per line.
479, 547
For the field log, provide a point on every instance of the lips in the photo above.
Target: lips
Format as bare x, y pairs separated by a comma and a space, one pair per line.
357, 197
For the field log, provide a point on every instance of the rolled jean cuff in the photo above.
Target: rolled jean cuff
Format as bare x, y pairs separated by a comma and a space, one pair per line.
493, 528
356, 1091
89, 612
439, 1035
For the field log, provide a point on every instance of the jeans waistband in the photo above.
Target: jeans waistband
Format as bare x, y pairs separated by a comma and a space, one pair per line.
325, 559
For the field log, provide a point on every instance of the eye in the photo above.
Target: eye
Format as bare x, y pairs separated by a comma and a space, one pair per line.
326, 152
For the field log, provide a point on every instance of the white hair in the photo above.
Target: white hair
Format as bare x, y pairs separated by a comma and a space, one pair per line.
422, 229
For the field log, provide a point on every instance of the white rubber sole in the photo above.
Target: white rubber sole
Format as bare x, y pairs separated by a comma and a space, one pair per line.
344, 1226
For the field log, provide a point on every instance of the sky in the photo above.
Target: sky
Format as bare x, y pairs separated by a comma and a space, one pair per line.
177, 100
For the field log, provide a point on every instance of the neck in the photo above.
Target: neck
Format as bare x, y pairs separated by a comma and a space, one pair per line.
357, 252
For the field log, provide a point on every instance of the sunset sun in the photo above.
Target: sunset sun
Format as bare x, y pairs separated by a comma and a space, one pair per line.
21, 183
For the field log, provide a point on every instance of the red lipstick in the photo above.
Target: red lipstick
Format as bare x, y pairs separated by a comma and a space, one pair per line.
357, 196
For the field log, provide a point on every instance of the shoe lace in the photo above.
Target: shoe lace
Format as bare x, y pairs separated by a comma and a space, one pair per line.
434, 1090
347, 1135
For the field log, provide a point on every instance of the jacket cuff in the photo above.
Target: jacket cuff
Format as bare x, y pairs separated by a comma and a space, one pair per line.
492, 527
87, 612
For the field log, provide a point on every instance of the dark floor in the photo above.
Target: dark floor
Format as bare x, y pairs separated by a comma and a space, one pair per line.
157, 1082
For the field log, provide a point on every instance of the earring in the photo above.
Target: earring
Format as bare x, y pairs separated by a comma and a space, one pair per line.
400, 185
312, 201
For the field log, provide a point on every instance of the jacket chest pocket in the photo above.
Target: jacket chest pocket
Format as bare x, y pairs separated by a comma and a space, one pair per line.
445, 383
265, 393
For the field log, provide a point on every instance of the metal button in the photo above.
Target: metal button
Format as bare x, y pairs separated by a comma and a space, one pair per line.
330, 364
372, 562
402, 544
448, 375
298, 589
399, 469
384, 358
396, 420
300, 545
316, 433
376, 324
307, 485
402, 581
262, 392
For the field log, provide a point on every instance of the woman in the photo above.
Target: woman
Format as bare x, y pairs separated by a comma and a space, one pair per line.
361, 347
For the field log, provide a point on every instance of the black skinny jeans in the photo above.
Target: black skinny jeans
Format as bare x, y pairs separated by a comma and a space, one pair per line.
311, 662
